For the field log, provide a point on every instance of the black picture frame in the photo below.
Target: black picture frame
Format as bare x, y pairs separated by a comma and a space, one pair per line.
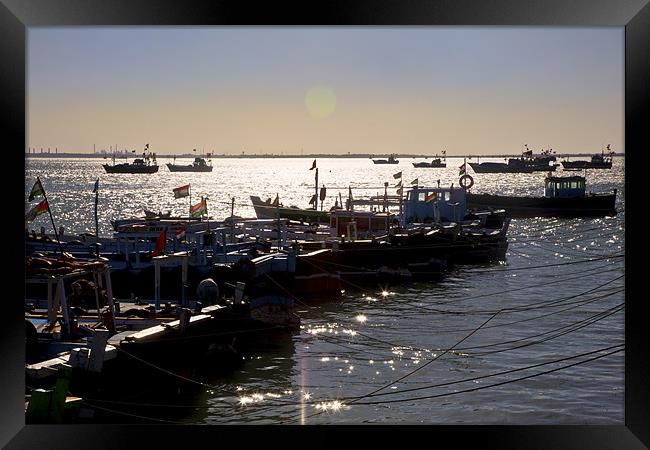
17, 15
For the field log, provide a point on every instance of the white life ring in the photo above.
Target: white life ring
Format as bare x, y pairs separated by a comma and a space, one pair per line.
464, 183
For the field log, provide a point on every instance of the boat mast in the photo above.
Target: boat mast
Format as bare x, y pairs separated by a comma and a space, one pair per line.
316, 191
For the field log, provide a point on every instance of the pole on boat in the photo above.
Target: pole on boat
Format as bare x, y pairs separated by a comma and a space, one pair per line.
279, 231
205, 200
385, 196
96, 190
49, 210
190, 210
316, 192
232, 217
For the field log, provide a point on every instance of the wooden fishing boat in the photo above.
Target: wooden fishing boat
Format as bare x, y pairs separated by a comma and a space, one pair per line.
199, 165
563, 197
391, 160
267, 210
598, 161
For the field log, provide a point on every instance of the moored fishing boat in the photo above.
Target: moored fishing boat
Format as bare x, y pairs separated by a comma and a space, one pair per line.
391, 160
199, 165
598, 161
563, 197
146, 164
434, 163
527, 163
271, 210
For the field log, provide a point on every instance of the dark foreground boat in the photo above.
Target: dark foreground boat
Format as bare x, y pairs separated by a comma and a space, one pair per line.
268, 210
563, 197
199, 165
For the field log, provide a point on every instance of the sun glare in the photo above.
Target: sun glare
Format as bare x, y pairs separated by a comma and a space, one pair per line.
320, 101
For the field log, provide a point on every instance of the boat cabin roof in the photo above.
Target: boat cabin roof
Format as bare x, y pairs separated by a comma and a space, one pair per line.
564, 186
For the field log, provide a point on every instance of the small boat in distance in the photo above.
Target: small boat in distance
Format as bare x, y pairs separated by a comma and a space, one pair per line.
434, 163
437, 162
391, 160
138, 166
601, 161
146, 164
199, 165
563, 197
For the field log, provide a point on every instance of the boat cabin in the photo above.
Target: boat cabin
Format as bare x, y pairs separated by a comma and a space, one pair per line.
425, 204
564, 187
138, 161
199, 162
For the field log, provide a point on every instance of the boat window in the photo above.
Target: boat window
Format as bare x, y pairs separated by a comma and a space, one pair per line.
422, 196
447, 196
574, 185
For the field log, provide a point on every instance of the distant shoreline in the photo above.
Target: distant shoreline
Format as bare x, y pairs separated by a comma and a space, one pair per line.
270, 155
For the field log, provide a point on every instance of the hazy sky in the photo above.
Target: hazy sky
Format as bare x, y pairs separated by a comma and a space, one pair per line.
476, 90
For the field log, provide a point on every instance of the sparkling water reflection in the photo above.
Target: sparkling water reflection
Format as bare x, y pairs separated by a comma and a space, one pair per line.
406, 353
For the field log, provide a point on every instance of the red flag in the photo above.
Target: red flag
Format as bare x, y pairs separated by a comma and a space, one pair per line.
313, 165
160, 243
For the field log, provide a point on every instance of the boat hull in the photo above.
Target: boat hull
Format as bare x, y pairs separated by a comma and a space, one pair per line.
188, 168
128, 168
586, 165
508, 168
383, 161
521, 207
431, 165
264, 210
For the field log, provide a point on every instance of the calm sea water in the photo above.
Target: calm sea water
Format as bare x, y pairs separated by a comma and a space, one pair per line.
490, 344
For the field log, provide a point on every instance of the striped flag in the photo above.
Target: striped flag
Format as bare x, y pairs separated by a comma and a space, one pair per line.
37, 190
180, 234
199, 209
36, 211
182, 191
397, 175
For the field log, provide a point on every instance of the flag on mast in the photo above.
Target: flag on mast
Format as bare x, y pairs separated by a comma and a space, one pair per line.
415, 182
199, 209
313, 165
462, 170
37, 190
182, 191
160, 243
36, 211
397, 175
